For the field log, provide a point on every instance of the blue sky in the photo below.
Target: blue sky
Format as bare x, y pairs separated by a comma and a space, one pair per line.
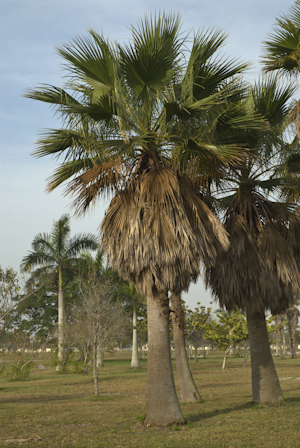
30, 32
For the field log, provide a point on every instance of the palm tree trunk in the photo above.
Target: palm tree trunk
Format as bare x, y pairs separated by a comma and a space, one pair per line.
162, 405
135, 363
188, 389
95, 353
60, 317
284, 342
292, 316
281, 339
265, 383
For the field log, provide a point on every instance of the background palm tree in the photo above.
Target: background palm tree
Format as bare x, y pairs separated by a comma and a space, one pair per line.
260, 269
136, 111
57, 253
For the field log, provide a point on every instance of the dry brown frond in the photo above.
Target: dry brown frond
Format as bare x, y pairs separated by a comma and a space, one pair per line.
158, 230
293, 235
241, 277
88, 186
277, 254
295, 118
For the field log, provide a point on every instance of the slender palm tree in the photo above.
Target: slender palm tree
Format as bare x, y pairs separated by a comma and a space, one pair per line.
260, 270
135, 113
58, 253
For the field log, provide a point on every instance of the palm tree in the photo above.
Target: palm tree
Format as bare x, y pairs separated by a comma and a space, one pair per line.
58, 253
260, 269
136, 112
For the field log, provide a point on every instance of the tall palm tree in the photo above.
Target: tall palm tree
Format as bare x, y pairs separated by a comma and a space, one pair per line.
58, 253
136, 111
260, 270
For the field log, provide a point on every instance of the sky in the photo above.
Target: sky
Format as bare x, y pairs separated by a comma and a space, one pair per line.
31, 30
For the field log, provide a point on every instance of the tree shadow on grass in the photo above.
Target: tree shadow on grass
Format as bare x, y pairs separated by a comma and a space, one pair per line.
249, 405
52, 398
41, 399
292, 399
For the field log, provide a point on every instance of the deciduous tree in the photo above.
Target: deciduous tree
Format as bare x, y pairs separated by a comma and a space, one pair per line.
227, 331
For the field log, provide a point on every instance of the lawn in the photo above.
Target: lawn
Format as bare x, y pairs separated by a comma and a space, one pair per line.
50, 410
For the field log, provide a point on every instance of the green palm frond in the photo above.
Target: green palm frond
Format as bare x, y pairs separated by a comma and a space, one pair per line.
272, 99
205, 72
53, 95
149, 63
57, 250
93, 61
282, 48
80, 242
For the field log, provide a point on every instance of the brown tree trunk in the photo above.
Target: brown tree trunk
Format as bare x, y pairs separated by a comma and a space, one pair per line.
188, 389
279, 322
265, 383
292, 316
162, 405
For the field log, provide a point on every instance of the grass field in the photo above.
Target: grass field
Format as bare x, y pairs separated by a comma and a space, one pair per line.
59, 411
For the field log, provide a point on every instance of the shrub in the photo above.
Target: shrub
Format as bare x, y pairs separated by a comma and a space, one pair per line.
19, 370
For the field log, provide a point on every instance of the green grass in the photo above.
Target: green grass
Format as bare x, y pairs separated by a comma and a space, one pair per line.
60, 411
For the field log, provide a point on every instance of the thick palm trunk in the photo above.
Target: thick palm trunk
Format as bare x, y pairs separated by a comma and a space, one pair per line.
188, 389
265, 383
60, 317
162, 405
135, 363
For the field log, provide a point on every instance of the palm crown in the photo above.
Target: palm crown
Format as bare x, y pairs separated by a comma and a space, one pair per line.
57, 252
135, 113
261, 268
